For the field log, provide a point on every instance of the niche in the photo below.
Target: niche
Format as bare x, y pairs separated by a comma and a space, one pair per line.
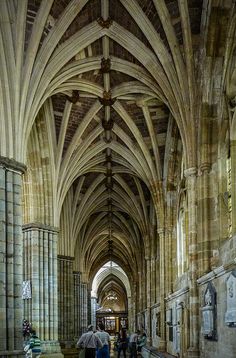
230, 315
209, 313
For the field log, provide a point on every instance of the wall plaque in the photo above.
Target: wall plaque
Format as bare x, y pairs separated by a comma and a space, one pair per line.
209, 313
26, 290
230, 315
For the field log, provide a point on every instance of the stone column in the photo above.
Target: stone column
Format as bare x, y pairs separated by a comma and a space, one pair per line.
93, 310
233, 183
148, 298
77, 308
132, 307
191, 179
40, 258
89, 312
84, 306
162, 342
204, 207
153, 280
66, 300
11, 253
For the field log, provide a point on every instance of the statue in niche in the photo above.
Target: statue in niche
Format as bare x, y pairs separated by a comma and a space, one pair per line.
207, 298
209, 313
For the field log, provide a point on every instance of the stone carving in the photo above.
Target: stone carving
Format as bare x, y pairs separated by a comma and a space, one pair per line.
105, 65
107, 125
105, 23
209, 313
230, 315
74, 98
107, 100
26, 290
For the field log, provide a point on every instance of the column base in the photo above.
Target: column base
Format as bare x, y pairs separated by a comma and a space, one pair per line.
53, 355
162, 346
51, 349
192, 353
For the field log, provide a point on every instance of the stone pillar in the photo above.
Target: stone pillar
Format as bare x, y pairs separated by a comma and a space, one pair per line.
89, 312
77, 302
132, 307
40, 258
148, 298
233, 183
93, 310
66, 300
162, 342
84, 306
191, 179
204, 208
153, 280
11, 253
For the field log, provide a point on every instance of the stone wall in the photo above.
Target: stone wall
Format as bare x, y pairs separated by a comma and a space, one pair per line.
225, 343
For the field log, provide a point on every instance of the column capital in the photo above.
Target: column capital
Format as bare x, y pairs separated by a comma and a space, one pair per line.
13, 165
41, 227
65, 258
161, 231
190, 172
77, 272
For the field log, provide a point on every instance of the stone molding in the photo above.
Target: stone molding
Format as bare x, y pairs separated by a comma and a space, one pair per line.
13, 165
65, 258
176, 294
155, 305
39, 226
217, 272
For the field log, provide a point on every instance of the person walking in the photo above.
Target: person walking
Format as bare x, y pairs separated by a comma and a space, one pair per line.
103, 352
35, 344
89, 341
122, 342
133, 339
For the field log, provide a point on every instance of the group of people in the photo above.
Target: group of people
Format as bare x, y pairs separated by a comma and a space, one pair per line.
98, 344
95, 343
132, 343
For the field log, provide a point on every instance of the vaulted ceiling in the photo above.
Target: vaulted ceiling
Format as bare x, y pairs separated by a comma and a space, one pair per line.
113, 82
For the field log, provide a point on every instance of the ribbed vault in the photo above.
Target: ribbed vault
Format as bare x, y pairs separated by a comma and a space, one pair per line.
108, 79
